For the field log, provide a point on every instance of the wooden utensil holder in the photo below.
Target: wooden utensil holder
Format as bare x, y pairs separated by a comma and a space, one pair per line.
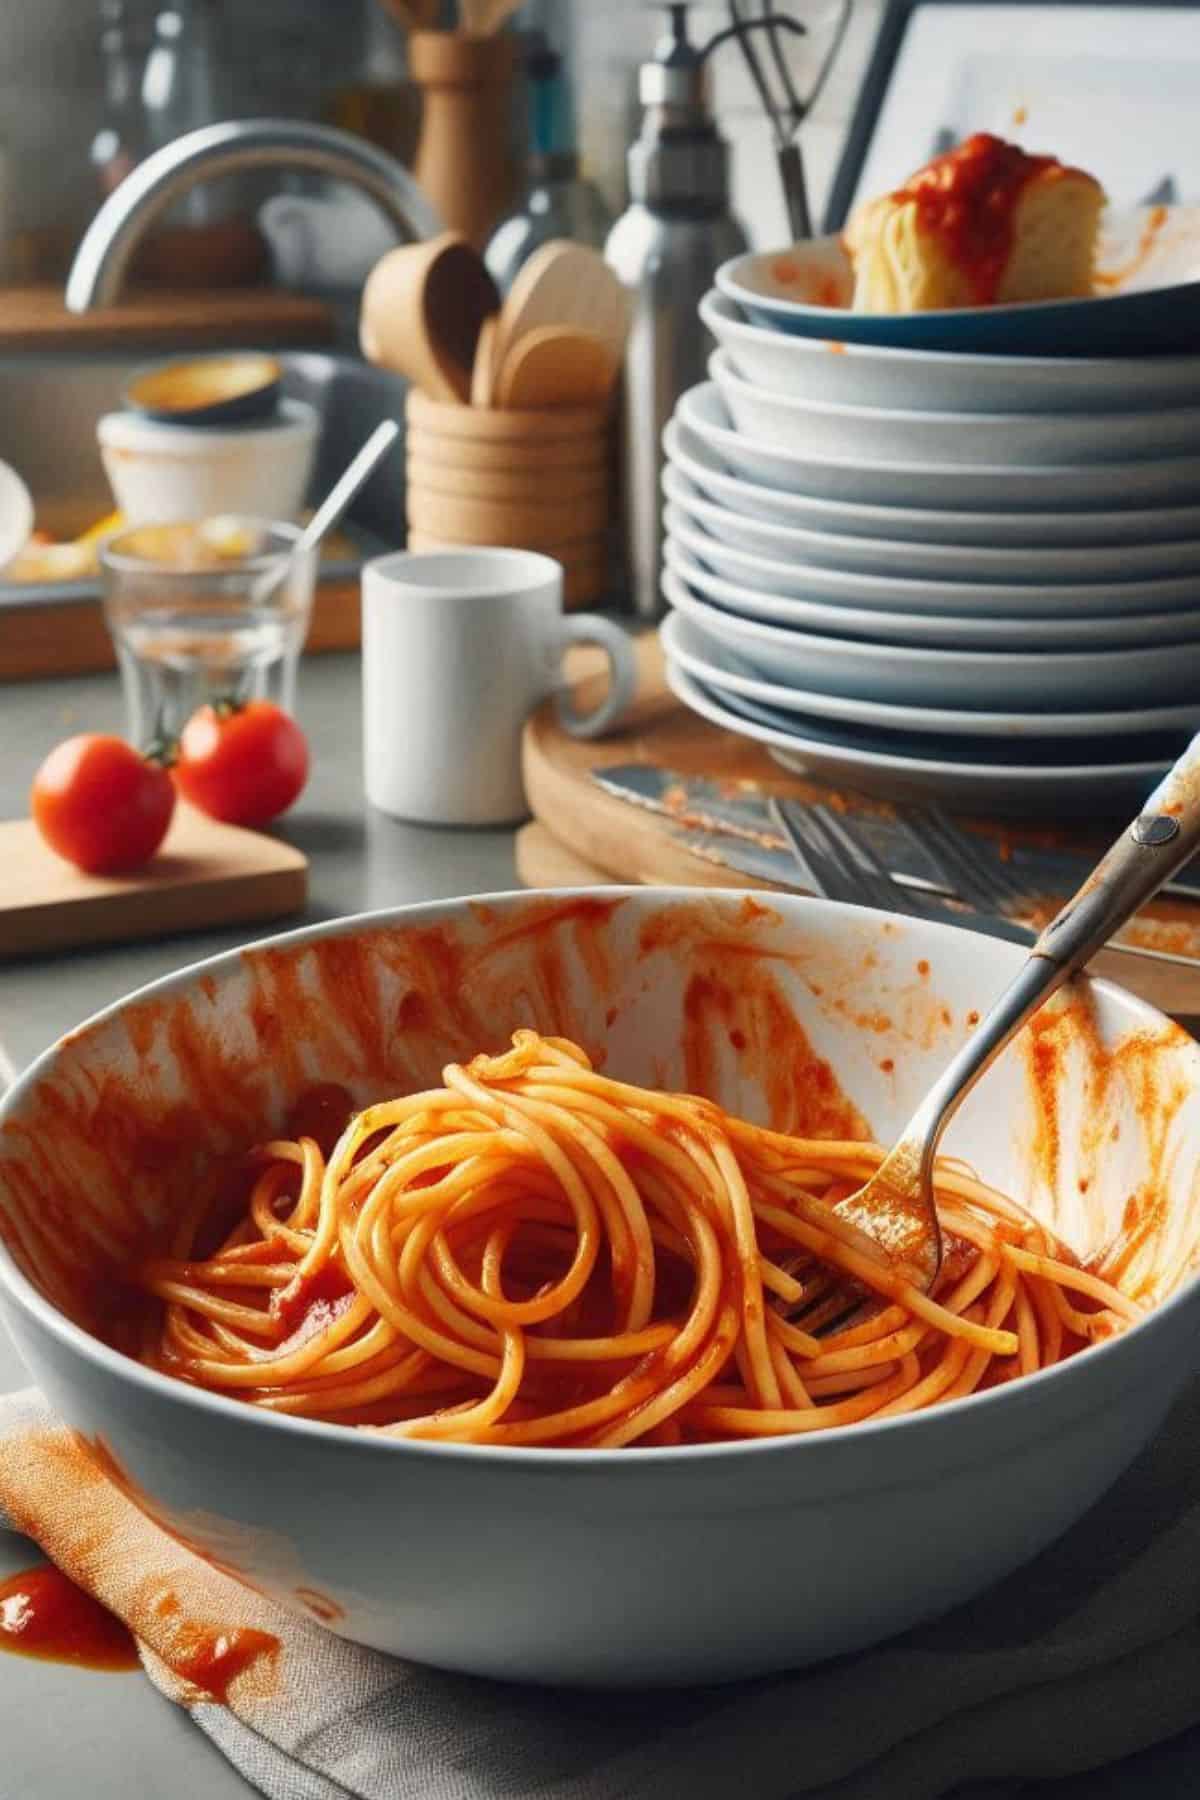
465, 489
465, 160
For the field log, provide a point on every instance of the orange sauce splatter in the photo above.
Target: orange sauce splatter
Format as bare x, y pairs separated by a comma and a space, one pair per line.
43, 1614
967, 198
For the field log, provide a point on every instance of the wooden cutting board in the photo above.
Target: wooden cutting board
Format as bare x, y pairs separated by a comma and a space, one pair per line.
583, 835
34, 318
207, 875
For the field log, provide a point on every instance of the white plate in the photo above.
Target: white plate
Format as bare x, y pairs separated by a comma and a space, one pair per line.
961, 439
1168, 480
717, 666
997, 788
1042, 615
707, 466
1043, 564
968, 679
841, 374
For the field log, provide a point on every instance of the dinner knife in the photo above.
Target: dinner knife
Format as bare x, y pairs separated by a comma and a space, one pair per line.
726, 822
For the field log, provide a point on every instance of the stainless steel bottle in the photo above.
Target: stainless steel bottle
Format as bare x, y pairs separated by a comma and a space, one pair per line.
665, 248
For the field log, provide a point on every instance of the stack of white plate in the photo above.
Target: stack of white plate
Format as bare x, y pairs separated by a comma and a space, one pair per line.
938, 573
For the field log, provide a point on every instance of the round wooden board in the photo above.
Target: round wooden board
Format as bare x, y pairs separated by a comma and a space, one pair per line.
625, 842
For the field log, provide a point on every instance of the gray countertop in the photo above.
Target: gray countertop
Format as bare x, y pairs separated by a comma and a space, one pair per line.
65, 1732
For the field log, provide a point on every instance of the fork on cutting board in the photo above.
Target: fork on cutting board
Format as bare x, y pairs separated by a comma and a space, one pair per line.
896, 1206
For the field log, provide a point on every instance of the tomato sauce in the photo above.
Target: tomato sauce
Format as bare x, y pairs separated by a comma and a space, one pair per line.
967, 198
43, 1614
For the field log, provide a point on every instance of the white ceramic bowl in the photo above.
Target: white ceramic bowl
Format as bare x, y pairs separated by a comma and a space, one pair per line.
841, 374
1045, 564
704, 462
163, 473
963, 439
16, 514
936, 482
957, 611
990, 680
627, 1566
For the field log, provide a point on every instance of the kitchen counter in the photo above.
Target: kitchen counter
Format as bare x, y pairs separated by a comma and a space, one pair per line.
65, 1732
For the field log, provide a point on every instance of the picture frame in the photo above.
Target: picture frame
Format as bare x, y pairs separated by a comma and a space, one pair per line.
1110, 85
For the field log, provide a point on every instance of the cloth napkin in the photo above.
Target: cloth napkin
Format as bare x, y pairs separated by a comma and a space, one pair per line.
1086, 1655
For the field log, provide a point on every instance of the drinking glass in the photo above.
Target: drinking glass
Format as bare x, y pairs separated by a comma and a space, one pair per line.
194, 618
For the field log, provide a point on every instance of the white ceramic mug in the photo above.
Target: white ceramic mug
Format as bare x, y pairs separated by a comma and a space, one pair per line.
459, 647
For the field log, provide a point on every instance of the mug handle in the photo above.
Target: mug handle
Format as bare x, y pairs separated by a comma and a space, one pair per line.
590, 628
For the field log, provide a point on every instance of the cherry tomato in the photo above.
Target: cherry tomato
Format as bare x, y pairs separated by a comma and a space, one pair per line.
101, 804
244, 764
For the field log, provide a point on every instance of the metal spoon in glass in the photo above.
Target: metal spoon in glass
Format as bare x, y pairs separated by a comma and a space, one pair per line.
896, 1206
332, 507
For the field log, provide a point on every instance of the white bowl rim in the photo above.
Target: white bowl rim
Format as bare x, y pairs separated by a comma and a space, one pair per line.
716, 300
771, 567
134, 431
914, 656
759, 491
978, 472
1018, 1393
728, 280
723, 373
699, 503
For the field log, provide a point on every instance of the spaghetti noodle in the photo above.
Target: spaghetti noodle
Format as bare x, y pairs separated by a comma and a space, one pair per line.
536, 1254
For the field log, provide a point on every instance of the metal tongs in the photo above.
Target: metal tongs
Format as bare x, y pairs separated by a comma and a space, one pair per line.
786, 108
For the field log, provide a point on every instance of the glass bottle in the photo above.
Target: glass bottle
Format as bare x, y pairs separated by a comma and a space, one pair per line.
208, 238
117, 146
559, 201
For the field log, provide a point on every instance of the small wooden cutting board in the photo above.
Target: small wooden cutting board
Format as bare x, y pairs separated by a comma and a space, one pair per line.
206, 875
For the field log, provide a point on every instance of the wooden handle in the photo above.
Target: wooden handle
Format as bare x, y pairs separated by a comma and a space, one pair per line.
464, 161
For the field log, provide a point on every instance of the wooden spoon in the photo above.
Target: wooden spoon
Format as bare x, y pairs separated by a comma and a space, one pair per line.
422, 311
556, 365
483, 376
483, 18
566, 284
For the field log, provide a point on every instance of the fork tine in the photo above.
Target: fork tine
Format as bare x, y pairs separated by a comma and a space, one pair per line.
822, 873
780, 812
826, 1305
996, 884
899, 899
969, 881
865, 886
854, 883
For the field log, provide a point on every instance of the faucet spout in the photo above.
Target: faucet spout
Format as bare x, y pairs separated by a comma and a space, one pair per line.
103, 255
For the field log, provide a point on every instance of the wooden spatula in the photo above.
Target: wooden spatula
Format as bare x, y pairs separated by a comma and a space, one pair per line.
566, 284
555, 365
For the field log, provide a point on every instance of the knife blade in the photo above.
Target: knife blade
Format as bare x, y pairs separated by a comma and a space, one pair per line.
726, 822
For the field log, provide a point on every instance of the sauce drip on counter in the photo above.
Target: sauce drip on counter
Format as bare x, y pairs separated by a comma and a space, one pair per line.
43, 1614
968, 198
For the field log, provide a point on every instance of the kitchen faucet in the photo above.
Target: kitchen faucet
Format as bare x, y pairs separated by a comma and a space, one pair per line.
229, 148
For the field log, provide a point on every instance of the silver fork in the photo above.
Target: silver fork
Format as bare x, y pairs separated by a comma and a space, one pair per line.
896, 1205
843, 866
984, 882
